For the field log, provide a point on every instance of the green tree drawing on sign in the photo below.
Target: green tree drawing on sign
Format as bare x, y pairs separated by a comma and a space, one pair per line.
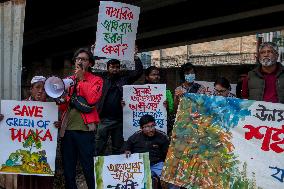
32, 142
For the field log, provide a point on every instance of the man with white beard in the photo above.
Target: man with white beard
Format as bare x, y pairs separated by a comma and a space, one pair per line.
266, 82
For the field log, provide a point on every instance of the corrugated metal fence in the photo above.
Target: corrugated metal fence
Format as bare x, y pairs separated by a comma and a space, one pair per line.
12, 15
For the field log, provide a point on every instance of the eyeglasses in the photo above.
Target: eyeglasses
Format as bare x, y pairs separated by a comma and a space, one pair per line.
220, 91
82, 59
149, 126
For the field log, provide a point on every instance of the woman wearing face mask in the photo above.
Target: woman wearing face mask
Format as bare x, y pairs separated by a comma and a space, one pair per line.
187, 75
222, 87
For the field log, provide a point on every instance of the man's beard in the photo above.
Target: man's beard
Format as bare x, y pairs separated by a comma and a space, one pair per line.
115, 75
154, 82
267, 61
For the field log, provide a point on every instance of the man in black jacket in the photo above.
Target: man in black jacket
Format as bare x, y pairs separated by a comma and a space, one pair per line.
149, 139
110, 108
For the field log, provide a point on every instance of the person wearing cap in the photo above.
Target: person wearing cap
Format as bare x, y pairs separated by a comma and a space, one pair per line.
37, 93
27, 181
110, 107
79, 120
266, 81
37, 89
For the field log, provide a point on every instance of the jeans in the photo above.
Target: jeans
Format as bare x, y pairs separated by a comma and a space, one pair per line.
106, 129
78, 144
156, 170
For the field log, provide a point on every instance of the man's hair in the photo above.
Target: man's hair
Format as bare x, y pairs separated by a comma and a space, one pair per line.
146, 119
112, 62
84, 50
224, 82
274, 46
150, 69
184, 68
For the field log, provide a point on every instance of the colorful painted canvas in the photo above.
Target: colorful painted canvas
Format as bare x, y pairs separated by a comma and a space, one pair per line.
119, 172
226, 143
28, 137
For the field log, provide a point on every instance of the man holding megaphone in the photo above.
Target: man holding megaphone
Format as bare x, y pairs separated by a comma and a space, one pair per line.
79, 119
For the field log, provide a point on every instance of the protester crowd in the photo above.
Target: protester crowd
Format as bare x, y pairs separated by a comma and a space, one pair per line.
85, 133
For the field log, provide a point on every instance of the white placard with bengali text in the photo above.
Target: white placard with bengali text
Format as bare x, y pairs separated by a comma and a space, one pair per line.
117, 171
141, 100
116, 30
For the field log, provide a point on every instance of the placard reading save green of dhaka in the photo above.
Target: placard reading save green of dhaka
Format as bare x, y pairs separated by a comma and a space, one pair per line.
28, 137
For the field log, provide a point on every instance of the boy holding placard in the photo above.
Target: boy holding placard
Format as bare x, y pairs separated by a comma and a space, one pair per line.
149, 139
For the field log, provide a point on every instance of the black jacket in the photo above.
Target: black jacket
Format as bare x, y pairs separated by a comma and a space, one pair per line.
157, 146
126, 79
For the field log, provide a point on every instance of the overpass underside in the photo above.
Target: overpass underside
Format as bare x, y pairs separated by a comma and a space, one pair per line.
52, 28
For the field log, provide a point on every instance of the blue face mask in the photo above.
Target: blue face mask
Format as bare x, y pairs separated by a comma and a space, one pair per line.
189, 77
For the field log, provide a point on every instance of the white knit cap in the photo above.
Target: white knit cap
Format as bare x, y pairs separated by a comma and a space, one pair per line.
36, 79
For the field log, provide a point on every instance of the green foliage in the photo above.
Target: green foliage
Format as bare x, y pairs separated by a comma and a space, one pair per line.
32, 141
201, 145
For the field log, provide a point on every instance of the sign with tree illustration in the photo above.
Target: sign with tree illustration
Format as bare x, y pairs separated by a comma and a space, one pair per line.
117, 171
226, 143
29, 138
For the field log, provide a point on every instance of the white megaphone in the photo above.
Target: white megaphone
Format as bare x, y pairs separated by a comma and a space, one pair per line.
55, 86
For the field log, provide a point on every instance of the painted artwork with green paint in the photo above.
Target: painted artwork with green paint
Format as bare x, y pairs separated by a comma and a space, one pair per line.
201, 153
117, 171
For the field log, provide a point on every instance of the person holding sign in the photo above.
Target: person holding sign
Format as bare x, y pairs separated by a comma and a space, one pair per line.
187, 75
149, 139
30, 181
152, 76
79, 120
110, 107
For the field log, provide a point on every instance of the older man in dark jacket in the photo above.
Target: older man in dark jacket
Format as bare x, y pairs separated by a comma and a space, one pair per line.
110, 108
266, 82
